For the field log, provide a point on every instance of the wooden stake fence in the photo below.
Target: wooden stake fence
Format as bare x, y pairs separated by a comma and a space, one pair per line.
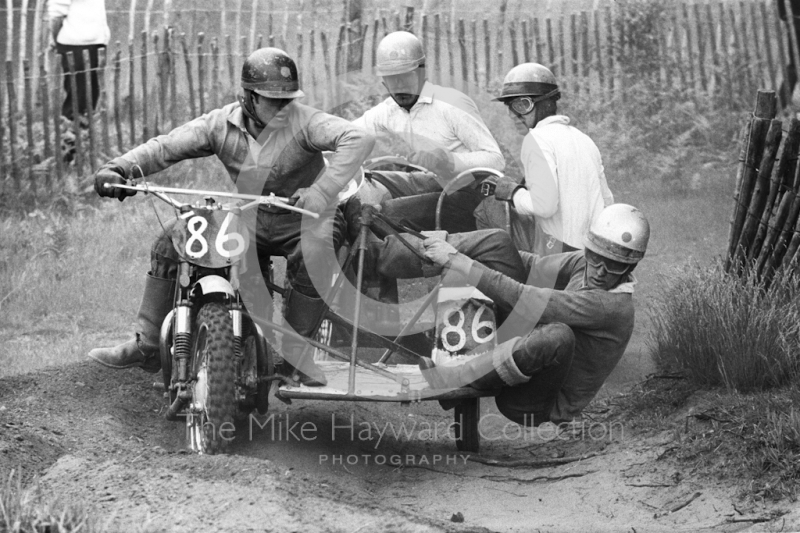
715, 51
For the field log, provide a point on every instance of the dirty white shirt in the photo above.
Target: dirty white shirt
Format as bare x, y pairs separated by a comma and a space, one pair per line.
565, 181
84, 21
443, 118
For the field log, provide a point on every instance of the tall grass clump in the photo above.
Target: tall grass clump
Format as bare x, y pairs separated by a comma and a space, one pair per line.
30, 510
726, 330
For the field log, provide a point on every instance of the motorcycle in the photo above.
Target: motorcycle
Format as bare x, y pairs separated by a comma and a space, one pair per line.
216, 364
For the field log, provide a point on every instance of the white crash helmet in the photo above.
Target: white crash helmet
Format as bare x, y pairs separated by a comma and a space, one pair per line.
620, 233
398, 53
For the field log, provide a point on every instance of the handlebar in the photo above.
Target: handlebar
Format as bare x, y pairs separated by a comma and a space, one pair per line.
160, 192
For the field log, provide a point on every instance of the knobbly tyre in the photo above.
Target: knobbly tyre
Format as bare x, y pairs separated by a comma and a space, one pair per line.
216, 364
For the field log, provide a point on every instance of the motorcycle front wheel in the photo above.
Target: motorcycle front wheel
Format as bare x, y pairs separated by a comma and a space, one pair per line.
209, 424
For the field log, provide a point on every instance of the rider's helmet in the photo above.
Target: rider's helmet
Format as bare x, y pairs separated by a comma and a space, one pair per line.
398, 53
620, 233
529, 79
270, 72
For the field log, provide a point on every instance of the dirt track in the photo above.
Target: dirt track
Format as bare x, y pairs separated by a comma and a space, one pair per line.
97, 436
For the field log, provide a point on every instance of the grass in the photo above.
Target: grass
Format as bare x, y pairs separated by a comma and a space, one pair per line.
30, 510
729, 331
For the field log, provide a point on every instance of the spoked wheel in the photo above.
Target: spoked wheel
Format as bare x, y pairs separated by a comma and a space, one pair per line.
209, 421
467, 415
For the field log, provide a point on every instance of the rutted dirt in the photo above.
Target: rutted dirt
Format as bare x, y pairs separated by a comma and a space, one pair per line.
98, 436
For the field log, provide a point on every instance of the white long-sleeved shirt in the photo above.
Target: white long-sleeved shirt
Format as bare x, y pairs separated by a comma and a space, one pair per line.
84, 21
565, 181
443, 118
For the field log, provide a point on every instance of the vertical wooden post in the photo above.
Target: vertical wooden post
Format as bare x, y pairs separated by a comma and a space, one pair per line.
694, 15
538, 42
172, 74
375, 30
584, 52
215, 85
118, 97
462, 43
512, 34
27, 86
437, 47
145, 86
551, 48
488, 53
103, 100
76, 118
526, 48
12, 123
758, 64
745, 60
598, 57
689, 58
59, 97
612, 51
231, 60
714, 80
87, 78
188, 63
44, 98
3, 143
768, 46
780, 35
326, 65
314, 92
562, 53
253, 21
39, 38
725, 46
158, 101
791, 29
475, 53
23, 46
501, 23
573, 56
201, 72
450, 53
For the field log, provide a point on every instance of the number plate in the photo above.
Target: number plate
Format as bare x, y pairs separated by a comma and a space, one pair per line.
210, 238
465, 325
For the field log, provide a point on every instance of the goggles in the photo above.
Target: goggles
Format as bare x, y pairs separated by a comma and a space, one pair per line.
522, 105
612, 267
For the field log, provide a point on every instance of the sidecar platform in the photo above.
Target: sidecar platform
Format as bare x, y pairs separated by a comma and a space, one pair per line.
373, 387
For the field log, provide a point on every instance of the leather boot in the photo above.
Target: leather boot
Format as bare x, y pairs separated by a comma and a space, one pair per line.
302, 312
143, 350
491, 370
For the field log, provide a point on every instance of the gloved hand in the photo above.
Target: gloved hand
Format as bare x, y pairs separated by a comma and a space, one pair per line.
114, 173
439, 251
503, 188
437, 160
310, 199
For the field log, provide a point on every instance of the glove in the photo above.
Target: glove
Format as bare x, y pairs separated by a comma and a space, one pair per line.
310, 199
437, 160
112, 172
439, 251
503, 188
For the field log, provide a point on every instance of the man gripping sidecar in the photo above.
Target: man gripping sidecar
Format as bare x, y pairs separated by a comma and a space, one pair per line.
268, 143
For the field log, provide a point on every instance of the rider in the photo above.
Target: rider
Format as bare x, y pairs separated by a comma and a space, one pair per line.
571, 317
565, 187
268, 143
438, 128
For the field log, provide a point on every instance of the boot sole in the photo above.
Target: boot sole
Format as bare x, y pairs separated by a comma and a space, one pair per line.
148, 369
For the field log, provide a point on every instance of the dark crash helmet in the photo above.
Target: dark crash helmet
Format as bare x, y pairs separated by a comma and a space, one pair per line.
271, 73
